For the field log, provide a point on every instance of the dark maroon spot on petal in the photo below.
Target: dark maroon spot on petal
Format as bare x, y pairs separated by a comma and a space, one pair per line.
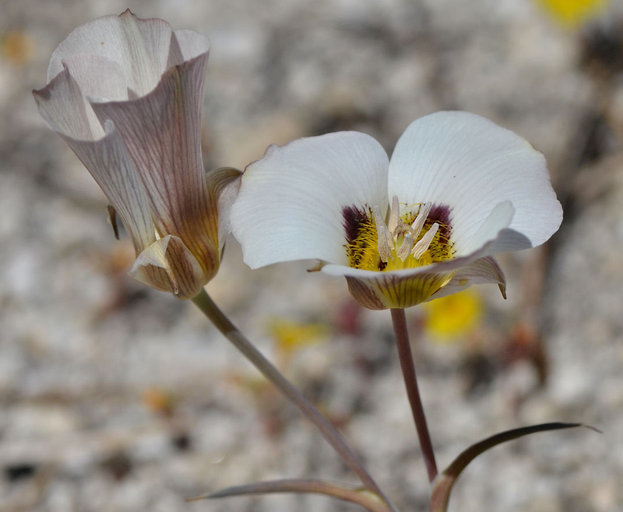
360, 235
441, 214
353, 218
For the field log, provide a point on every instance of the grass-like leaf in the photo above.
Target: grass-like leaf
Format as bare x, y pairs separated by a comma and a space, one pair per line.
362, 497
442, 486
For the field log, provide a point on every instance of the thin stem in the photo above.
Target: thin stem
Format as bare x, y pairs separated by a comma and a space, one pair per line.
329, 432
413, 392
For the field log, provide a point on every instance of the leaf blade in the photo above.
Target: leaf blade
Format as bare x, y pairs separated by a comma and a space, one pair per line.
442, 486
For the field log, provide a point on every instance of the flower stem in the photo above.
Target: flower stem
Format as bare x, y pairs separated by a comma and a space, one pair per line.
329, 432
413, 392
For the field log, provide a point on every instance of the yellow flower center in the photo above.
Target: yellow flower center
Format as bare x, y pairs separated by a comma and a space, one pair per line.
418, 237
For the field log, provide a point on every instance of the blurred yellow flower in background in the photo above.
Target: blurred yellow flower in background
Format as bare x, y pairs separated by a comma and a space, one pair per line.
291, 336
16, 47
454, 316
573, 12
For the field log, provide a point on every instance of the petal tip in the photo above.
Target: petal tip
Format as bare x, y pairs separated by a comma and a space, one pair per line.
502, 287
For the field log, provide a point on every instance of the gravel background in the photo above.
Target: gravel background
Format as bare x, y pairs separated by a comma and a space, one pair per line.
118, 398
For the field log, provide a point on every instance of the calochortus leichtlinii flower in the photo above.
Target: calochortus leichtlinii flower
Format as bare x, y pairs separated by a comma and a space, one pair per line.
457, 190
126, 94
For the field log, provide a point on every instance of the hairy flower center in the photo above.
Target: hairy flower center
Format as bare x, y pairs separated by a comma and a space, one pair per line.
418, 237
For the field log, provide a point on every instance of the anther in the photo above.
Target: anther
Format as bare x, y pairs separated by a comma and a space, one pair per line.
384, 236
394, 215
422, 246
405, 248
419, 221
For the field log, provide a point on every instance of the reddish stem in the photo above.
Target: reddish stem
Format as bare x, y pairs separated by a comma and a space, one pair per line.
408, 372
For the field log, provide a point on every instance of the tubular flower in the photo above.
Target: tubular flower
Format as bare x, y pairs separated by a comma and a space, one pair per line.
458, 190
126, 94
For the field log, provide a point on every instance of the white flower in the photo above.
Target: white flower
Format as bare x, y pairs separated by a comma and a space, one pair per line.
126, 95
458, 190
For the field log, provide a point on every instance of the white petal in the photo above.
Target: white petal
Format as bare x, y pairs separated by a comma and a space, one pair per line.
482, 271
190, 44
168, 265
114, 171
63, 106
98, 78
140, 47
103, 154
291, 202
223, 184
162, 133
494, 226
469, 164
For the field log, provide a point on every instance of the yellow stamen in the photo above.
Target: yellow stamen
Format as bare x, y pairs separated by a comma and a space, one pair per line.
406, 241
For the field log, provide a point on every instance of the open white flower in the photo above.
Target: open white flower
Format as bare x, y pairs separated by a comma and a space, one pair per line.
458, 190
126, 94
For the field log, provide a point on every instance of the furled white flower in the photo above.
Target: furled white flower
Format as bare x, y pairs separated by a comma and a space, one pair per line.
126, 94
458, 190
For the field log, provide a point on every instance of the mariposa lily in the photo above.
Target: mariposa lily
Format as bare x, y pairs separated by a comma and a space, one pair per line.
126, 95
457, 190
